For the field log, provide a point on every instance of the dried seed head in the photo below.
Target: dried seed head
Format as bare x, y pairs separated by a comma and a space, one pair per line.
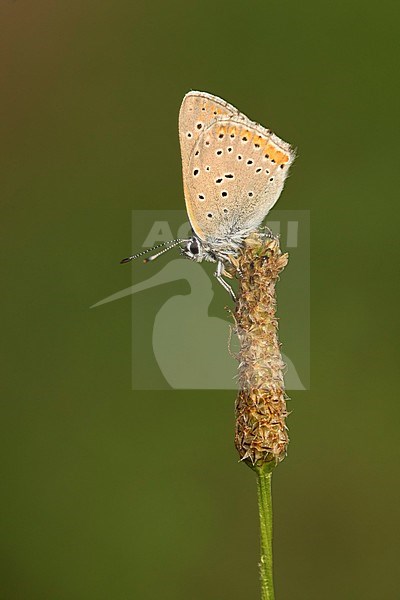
261, 432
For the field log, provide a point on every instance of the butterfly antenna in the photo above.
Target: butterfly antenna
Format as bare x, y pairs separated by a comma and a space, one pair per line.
171, 244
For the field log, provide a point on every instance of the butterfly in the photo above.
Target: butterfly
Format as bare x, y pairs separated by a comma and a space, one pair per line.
234, 171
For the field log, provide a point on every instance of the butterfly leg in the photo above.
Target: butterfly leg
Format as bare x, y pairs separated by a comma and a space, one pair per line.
225, 285
266, 233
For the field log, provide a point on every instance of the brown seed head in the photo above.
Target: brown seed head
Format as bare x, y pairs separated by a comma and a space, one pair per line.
261, 433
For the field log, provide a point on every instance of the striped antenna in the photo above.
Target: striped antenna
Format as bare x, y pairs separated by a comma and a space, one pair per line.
171, 244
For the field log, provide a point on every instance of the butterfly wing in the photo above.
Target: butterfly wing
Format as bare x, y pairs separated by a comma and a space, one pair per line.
198, 110
235, 174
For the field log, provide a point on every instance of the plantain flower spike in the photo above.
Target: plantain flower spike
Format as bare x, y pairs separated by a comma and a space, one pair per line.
261, 436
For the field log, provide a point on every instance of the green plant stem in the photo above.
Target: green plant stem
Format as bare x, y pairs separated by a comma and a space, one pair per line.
264, 476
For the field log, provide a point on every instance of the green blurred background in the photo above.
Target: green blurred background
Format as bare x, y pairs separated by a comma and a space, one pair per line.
110, 493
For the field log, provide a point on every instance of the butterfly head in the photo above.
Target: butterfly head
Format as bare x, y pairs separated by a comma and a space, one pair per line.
194, 249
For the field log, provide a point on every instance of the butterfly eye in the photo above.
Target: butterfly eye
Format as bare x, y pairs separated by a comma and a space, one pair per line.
194, 247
